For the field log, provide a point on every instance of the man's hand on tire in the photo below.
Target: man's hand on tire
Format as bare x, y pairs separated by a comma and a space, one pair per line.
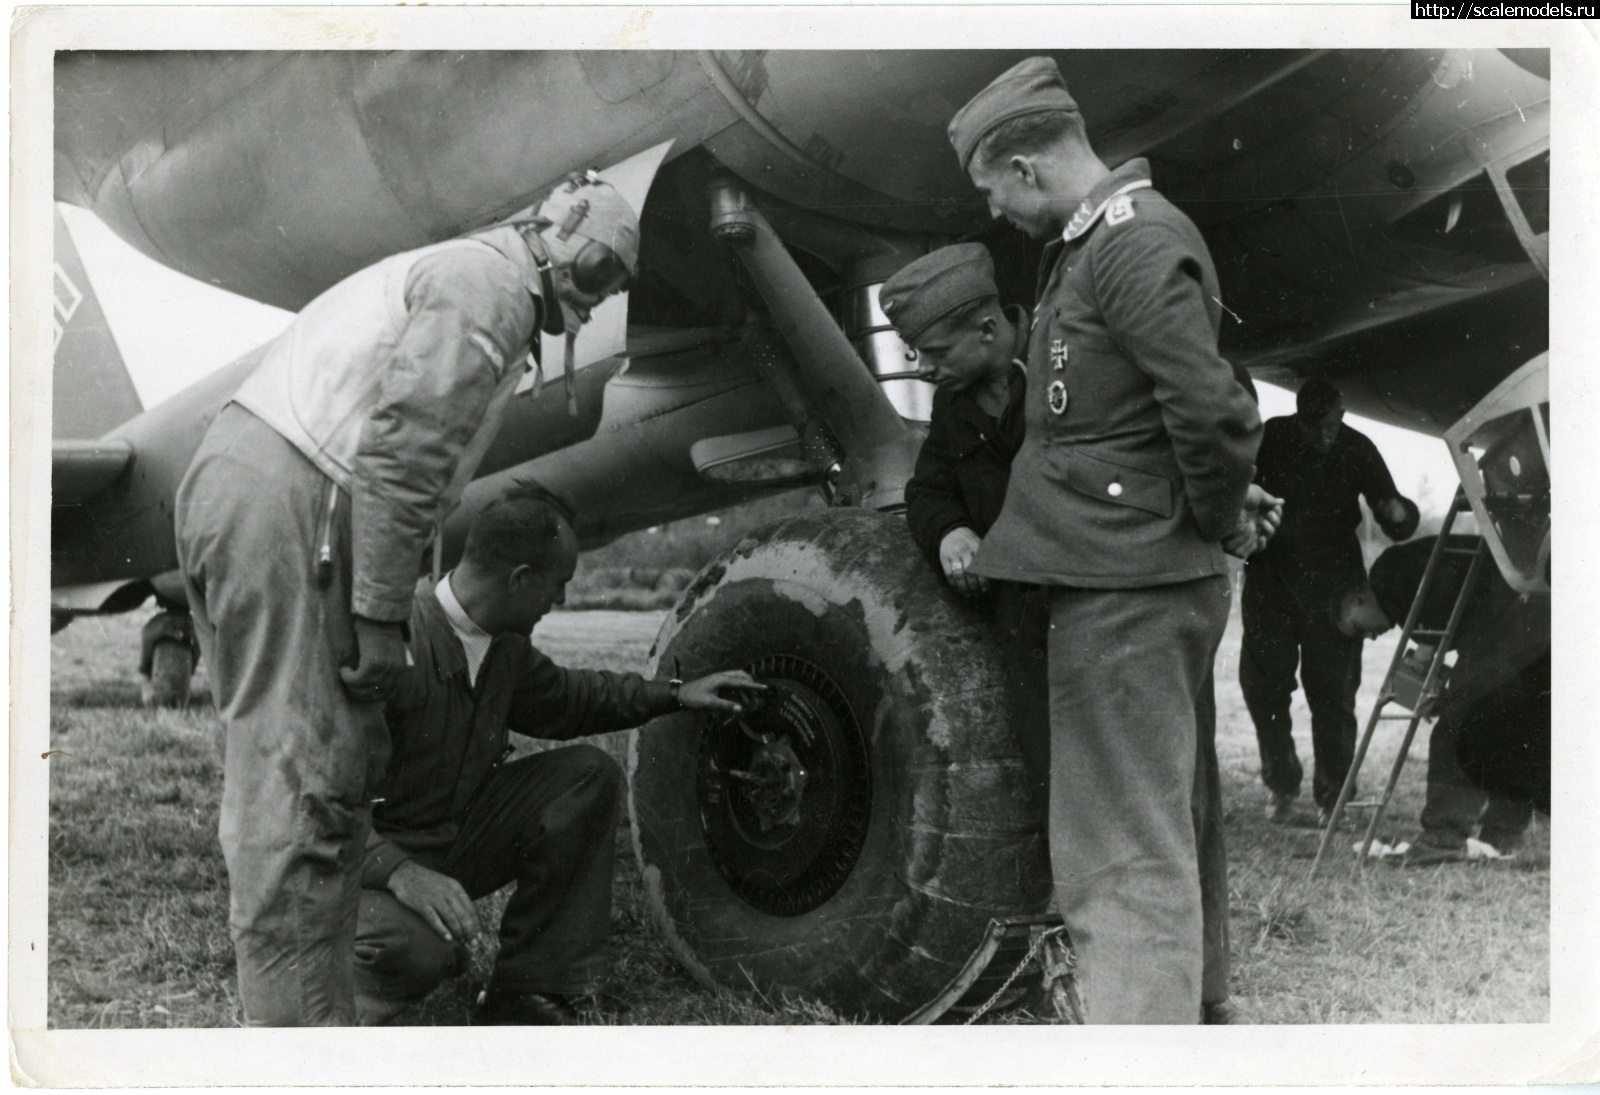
437, 898
380, 656
956, 552
728, 692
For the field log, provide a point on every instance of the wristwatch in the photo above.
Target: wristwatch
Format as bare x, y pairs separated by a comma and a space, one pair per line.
672, 691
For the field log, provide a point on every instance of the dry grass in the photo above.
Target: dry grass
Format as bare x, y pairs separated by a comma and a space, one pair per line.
1454, 943
138, 895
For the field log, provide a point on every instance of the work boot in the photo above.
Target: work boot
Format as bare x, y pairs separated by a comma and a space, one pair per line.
1280, 809
1430, 851
524, 1009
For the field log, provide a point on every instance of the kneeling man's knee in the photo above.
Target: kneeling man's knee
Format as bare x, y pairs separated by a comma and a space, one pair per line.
595, 768
397, 956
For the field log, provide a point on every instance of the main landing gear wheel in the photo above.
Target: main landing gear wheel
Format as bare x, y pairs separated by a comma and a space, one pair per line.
167, 657
171, 667
850, 839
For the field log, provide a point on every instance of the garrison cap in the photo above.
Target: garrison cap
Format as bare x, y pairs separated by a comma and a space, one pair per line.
1393, 584
588, 206
1028, 87
928, 289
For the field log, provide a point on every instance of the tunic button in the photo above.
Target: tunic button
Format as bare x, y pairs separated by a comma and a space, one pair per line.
1115, 490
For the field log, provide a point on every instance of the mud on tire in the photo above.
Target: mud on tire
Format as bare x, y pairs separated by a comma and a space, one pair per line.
851, 840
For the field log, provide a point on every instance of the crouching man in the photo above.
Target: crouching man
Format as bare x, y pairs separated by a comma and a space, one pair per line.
457, 820
1489, 755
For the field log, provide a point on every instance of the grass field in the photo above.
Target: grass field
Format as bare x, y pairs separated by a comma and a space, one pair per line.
648, 569
138, 934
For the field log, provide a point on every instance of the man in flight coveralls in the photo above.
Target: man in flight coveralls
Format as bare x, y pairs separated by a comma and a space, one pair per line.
302, 523
1135, 465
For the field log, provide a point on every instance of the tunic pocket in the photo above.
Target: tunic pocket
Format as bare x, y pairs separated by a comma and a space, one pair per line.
1117, 483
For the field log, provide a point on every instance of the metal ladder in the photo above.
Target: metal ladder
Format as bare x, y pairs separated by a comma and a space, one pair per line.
1401, 685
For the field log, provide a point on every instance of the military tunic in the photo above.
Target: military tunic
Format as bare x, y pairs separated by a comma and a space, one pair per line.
1139, 447
1143, 471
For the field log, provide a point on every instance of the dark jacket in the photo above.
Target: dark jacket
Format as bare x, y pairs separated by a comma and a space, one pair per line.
961, 474
447, 734
1500, 635
1321, 495
1145, 470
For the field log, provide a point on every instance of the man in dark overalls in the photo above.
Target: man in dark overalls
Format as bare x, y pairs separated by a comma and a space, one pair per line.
1321, 469
946, 307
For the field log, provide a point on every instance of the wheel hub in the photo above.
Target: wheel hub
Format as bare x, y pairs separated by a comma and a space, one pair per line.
776, 783
785, 790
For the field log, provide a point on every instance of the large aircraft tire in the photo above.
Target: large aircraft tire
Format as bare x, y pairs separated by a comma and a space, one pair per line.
851, 840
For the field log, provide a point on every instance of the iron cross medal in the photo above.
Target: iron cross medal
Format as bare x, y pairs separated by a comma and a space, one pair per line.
1057, 394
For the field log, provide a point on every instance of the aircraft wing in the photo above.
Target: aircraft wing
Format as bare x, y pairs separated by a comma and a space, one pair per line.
79, 470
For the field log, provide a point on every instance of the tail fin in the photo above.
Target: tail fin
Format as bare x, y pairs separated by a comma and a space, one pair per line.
93, 392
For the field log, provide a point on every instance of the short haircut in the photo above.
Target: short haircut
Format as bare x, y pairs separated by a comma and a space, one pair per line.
522, 527
1316, 398
1346, 595
962, 315
1029, 135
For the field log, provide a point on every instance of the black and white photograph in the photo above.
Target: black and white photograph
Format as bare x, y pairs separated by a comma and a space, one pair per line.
760, 522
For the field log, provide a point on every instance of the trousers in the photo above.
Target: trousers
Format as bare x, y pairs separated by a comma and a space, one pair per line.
300, 758
1022, 625
1022, 635
546, 822
1128, 670
1281, 634
1211, 848
1503, 742
1456, 808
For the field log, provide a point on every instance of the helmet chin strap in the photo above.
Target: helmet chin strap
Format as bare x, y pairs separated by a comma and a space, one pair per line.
571, 374
554, 315
554, 320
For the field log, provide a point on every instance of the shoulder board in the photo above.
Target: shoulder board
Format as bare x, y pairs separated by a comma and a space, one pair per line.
1120, 209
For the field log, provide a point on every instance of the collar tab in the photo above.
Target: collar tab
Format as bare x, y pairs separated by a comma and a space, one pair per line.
1133, 175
